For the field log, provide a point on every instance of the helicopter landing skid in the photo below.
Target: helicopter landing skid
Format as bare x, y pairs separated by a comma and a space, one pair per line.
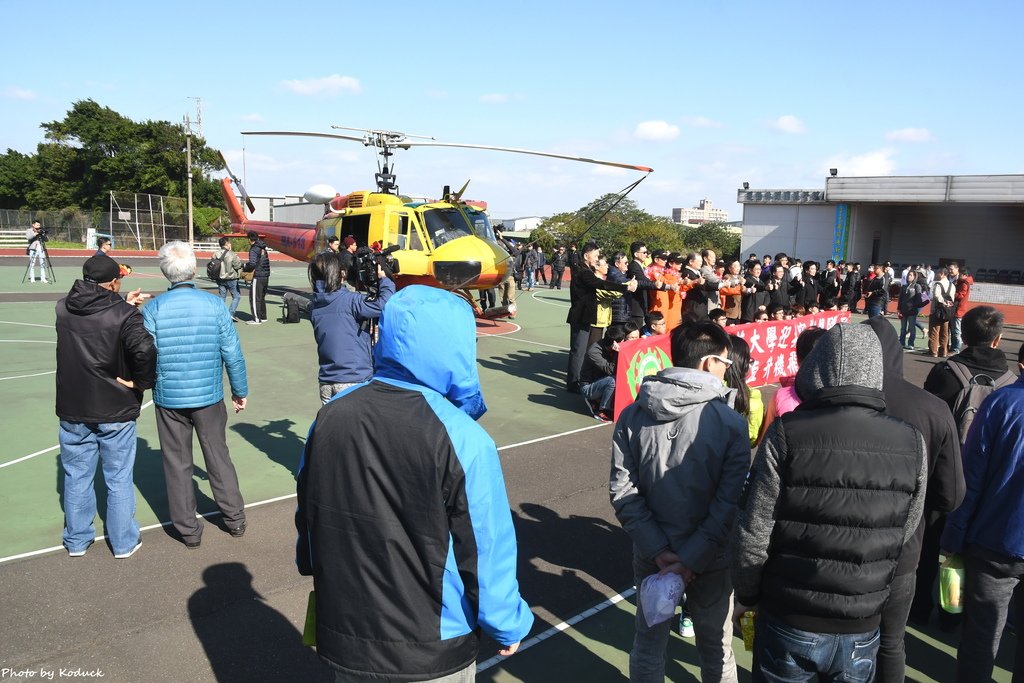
491, 313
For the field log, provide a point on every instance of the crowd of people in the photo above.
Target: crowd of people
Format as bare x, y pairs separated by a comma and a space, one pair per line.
831, 531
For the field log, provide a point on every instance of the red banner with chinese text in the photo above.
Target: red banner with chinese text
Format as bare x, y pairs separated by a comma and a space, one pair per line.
772, 353
773, 344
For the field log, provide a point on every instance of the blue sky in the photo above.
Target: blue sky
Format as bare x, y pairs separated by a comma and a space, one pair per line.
709, 94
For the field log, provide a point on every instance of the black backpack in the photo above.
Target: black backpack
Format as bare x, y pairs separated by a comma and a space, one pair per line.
973, 391
213, 268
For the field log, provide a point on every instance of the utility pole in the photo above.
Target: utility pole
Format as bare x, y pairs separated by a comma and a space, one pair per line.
188, 160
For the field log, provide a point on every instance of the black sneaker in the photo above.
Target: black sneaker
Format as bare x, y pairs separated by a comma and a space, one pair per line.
192, 545
238, 531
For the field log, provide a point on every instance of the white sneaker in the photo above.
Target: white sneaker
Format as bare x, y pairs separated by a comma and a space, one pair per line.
128, 554
254, 322
76, 553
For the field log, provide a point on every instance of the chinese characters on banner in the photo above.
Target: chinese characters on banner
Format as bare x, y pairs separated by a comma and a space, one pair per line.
772, 353
773, 344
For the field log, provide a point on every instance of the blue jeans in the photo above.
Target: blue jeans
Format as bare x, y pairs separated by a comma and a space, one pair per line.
528, 281
954, 335
81, 445
874, 309
601, 392
783, 654
908, 323
229, 287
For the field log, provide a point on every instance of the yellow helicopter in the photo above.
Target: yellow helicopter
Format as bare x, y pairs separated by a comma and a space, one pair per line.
448, 243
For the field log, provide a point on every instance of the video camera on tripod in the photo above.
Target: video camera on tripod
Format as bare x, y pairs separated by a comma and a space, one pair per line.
42, 235
367, 259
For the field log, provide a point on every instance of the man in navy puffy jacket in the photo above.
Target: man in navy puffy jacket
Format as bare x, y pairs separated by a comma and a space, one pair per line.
402, 515
195, 340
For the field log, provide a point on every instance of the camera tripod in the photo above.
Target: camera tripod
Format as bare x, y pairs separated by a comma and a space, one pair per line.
44, 265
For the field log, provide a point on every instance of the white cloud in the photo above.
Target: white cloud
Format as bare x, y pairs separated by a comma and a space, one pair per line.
608, 170
494, 98
656, 130
16, 93
251, 117
909, 135
788, 124
702, 122
329, 85
876, 163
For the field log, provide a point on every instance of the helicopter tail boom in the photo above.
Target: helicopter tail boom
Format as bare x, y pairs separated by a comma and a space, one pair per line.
232, 203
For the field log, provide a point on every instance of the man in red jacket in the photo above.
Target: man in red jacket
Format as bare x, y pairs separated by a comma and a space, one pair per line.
963, 280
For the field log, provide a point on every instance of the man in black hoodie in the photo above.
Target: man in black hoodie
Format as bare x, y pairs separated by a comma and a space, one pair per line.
945, 491
982, 329
105, 360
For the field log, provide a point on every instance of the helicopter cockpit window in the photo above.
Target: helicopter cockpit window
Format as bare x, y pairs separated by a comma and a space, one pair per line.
481, 224
445, 225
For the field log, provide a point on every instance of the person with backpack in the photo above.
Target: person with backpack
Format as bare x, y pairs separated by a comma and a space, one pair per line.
939, 314
964, 380
225, 268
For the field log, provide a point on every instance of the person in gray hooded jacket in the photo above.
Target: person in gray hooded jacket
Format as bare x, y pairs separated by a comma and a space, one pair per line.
835, 493
679, 457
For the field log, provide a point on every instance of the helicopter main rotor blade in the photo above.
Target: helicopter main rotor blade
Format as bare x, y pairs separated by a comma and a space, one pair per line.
413, 143
238, 183
336, 136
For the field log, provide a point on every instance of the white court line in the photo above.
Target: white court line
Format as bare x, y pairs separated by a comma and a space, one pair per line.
43, 551
37, 374
558, 628
528, 341
51, 448
533, 295
11, 322
499, 334
33, 553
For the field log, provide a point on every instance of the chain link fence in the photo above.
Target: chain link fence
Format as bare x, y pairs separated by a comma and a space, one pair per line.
135, 221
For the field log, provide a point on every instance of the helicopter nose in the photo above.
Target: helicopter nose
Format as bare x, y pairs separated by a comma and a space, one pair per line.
466, 262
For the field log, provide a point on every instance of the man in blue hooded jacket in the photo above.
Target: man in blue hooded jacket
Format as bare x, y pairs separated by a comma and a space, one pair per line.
402, 514
987, 530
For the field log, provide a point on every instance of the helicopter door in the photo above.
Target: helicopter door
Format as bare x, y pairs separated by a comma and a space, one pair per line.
404, 232
358, 226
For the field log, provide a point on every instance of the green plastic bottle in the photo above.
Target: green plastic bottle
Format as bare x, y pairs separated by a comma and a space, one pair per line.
951, 583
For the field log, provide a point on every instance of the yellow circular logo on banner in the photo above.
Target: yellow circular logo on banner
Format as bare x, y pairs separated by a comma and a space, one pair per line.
647, 362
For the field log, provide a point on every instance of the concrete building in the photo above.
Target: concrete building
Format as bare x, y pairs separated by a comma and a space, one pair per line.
975, 220
702, 213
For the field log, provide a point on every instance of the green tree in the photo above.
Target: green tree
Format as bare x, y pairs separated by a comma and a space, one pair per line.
94, 150
712, 235
17, 175
614, 224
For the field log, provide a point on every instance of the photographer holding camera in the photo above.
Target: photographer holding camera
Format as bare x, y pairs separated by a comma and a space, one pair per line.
342, 319
36, 236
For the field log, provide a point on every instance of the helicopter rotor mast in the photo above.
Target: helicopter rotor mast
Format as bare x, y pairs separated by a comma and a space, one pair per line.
386, 141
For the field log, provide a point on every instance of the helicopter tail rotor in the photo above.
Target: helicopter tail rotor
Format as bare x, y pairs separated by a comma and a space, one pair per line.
238, 184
